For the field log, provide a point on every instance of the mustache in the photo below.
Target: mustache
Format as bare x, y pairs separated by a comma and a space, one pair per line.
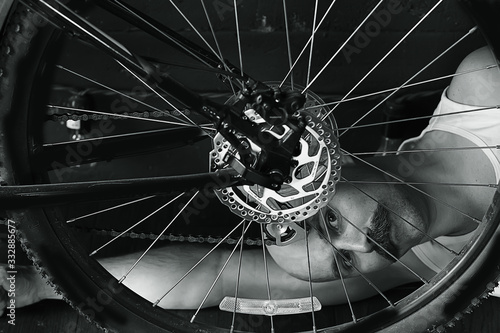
379, 233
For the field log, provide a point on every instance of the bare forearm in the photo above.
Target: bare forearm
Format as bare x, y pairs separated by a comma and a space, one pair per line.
162, 269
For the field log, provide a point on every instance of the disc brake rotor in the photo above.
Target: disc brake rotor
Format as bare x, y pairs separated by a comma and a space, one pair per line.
312, 178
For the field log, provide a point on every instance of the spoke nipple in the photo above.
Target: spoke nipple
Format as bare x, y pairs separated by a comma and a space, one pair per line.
121, 280
93, 252
192, 319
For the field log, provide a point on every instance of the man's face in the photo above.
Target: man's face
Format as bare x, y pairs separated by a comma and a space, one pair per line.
363, 229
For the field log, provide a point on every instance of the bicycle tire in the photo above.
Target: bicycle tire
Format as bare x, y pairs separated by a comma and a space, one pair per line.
77, 278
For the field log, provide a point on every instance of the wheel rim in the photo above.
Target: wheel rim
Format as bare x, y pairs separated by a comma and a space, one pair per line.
81, 171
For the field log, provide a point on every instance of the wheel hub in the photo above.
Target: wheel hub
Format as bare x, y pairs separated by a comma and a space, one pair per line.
310, 183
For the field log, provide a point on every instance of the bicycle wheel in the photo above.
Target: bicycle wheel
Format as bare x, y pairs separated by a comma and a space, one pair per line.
54, 130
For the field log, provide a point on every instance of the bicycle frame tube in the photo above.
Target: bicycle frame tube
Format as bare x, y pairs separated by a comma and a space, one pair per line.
42, 195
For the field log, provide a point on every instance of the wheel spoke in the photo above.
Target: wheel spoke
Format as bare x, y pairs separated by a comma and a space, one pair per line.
380, 92
486, 108
238, 276
470, 32
117, 92
430, 150
210, 59
288, 45
343, 45
91, 33
221, 57
158, 93
414, 187
188, 21
292, 67
160, 31
266, 272
311, 47
219, 275
81, 217
237, 23
310, 283
421, 183
56, 156
158, 237
135, 225
386, 55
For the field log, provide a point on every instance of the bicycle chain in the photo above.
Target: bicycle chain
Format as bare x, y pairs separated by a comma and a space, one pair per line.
119, 116
177, 238
169, 237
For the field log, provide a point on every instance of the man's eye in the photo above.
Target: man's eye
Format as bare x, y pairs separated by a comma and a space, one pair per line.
332, 219
347, 259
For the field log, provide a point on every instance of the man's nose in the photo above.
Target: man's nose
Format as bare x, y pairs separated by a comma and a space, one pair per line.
353, 239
